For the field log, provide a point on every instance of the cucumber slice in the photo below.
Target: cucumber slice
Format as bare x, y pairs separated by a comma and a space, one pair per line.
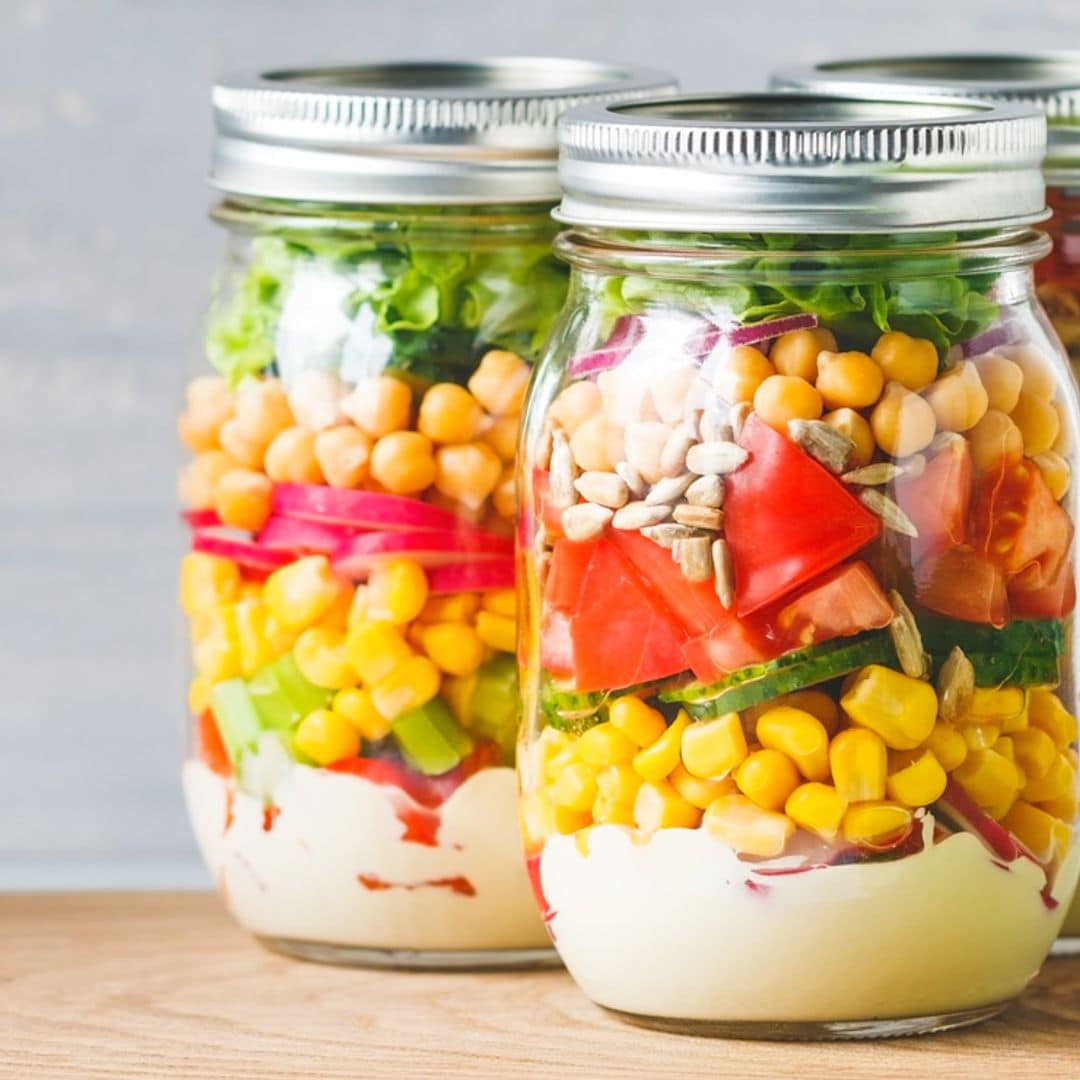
1026, 652
572, 711
429, 739
236, 717
793, 671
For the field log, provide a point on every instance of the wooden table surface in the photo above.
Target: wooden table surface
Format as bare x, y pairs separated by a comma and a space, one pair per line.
163, 985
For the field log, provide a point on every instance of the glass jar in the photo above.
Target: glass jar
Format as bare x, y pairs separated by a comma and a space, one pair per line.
799, 754
349, 587
1050, 80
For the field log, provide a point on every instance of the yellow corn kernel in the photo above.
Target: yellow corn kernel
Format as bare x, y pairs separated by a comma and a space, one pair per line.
1005, 746
818, 808
816, 703
875, 824
657, 761
206, 581
217, 652
659, 806
1005, 708
918, 784
767, 777
454, 647
859, 763
604, 744
467, 473
358, 612
407, 687
1038, 423
242, 499
556, 762
1003, 380
375, 649
857, 428
397, 591
902, 422
1047, 713
698, 792
712, 748
995, 438
454, 607
574, 788
639, 722
781, 398
356, 706
619, 783
256, 647
300, 593
606, 811
403, 462
497, 631
325, 737
799, 735
1034, 751
457, 692
499, 382
336, 616
449, 414
902, 710
998, 811
948, 745
1057, 782
541, 818
1034, 828
746, 828
958, 398
980, 736
1066, 807
500, 602
988, 777
796, 352
911, 362
321, 658
199, 691
848, 380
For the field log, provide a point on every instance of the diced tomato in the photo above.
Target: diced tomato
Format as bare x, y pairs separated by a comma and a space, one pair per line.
211, 746
556, 644
939, 500
1052, 598
845, 601
694, 603
550, 515
963, 584
566, 574
621, 635
732, 644
787, 519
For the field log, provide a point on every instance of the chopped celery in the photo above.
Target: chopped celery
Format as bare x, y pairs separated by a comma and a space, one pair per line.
236, 717
282, 696
429, 739
493, 706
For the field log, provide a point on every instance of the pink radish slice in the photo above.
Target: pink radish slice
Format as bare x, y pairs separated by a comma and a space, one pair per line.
627, 332
247, 554
359, 509
471, 577
356, 557
201, 519
296, 534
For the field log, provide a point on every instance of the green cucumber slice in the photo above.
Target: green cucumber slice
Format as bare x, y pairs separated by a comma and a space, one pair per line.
793, 671
574, 711
1025, 652
429, 739
236, 717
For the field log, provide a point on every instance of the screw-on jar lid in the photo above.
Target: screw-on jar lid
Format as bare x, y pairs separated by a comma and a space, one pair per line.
416, 132
798, 163
1050, 80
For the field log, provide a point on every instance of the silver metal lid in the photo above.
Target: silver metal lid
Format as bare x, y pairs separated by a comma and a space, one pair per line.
798, 163
415, 132
1050, 80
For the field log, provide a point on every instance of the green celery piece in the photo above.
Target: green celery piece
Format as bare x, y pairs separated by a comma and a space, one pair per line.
440, 715
493, 707
282, 696
236, 717
424, 740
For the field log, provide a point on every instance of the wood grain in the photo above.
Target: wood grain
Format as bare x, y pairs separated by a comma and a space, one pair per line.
163, 985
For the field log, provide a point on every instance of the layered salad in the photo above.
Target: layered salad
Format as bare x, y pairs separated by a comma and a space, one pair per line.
1058, 275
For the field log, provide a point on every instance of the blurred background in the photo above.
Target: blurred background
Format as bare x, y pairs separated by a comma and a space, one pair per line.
105, 260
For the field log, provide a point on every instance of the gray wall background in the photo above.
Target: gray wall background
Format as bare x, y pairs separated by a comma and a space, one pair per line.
105, 256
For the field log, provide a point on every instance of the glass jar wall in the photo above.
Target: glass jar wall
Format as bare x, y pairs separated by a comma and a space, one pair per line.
1058, 276
799, 588
350, 497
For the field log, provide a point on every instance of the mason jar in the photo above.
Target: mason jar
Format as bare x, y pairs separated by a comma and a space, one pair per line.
799, 753
388, 280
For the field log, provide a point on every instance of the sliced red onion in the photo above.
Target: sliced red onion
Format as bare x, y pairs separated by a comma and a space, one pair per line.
1004, 333
764, 331
962, 810
625, 335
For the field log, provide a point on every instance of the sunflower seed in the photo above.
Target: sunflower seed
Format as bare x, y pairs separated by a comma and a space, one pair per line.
714, 427
706, 491
715, 458
723, 572
822, 442
632, 478
561, 474
739, 415
673, 456
882, 472
941, 440
639, 515
586, 521
695, 561
668, 534
914, 465
699, 517
906, 639
603, 488
669, 489
891, 515
956, 685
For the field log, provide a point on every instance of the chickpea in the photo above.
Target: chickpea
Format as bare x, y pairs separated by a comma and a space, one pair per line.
902, 422
796, 352
240, 446
1002, 378
591, 444
502, 436
848, 379
857, 428
467, 473
993, 438
575, 405
1063, 443
670, 388
315, 398
198, 431
198, 480
1056, 472
290, 458
504, 497
403, 462
343, 454
1038, 374
262, 411
449, 414
500, 381
380, 405
625, 395
958, 398
740, 373
1038, 423
242, 499
911, 362
781, 398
